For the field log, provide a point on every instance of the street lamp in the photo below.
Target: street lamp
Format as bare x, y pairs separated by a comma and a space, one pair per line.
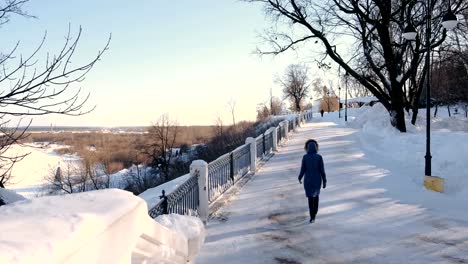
449, 21
346, 97
339, 102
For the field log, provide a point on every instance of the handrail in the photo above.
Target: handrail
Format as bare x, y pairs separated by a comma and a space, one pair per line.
183, 200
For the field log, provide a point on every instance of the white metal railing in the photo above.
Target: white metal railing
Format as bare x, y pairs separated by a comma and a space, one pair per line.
223, 172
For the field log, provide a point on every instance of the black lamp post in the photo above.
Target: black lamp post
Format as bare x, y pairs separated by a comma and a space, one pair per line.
449, 21
339, 102
346, 97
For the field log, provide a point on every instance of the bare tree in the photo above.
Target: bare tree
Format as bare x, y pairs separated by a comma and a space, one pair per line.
328, 98
320, 89
141, 178
354, 88
32, 87
449, 79
377, 56
163, 134
295, 83
275, 107
263, 112
72, 177
219, 126
232, 108
329, 103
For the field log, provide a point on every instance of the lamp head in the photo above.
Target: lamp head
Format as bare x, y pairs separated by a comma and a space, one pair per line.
410, 32
449, 20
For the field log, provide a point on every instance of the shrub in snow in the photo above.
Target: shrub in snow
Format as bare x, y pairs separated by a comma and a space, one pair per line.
141, 178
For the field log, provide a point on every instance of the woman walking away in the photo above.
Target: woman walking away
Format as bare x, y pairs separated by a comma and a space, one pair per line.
314, 171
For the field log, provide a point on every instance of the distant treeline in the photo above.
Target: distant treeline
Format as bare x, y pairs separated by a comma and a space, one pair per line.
130, 129
121, 149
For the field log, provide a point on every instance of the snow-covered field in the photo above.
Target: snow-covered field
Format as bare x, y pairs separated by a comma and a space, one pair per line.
374, 210
28, 174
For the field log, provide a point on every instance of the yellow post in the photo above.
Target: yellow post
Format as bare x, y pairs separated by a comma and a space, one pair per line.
434, 183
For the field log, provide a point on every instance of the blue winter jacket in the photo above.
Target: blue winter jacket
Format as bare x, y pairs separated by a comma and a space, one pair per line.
314, 171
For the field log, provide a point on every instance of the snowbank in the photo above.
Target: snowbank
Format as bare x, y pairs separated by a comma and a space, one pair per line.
401, 156
9, 196
92, 227
373, 119
404, 152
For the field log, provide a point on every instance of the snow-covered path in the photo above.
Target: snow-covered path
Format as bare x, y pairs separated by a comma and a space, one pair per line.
358, 220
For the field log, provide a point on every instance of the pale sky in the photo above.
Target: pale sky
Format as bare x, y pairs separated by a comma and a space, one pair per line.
185, 58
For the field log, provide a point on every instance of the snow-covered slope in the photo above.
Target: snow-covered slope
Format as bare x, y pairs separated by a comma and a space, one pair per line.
29, 173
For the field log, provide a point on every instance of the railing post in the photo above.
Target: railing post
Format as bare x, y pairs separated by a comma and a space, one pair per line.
253, 153
263, 143
200, 168
231, 162
286, 131
281, 133
274, 130
164, 202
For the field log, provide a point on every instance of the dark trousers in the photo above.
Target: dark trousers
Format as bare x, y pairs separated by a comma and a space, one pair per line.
313, 206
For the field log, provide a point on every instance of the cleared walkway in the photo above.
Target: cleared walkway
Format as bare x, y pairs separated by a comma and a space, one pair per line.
358, 222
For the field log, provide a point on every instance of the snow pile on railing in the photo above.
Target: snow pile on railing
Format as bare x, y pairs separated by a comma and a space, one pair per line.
189, 227
103, 226
151, 196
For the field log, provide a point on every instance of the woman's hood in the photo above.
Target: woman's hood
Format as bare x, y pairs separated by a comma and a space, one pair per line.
311, 148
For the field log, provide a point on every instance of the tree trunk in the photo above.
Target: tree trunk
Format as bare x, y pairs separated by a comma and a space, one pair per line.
415, 115
400, 119
1, 185
435, 112
398, 108
448, 109
415, 103
416, 90
298, 105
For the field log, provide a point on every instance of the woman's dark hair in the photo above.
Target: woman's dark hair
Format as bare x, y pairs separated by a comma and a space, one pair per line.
306, 146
